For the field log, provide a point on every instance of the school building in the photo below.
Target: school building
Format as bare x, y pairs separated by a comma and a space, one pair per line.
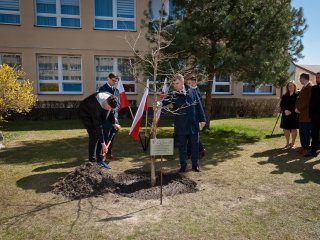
68, 47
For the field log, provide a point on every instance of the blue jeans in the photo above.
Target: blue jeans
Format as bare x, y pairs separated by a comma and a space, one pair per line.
305, 134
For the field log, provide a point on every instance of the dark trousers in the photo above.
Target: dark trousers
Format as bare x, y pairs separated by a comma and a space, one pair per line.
305, 134
109, 134
94, 150
201, 148
315, 135
94, 146
182, 144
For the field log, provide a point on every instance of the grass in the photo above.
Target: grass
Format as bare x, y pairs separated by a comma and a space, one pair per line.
249, 188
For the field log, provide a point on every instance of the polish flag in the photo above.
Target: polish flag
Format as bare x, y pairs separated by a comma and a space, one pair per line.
124, 103
143, 107
164, 92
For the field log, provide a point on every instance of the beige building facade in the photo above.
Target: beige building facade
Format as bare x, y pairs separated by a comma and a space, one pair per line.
68, 47
312, 70
71, 62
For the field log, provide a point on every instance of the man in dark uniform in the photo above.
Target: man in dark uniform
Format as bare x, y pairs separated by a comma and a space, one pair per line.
188, 113
192, 83
94, 111
109, 131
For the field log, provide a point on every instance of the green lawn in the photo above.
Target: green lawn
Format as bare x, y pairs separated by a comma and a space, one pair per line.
249, 188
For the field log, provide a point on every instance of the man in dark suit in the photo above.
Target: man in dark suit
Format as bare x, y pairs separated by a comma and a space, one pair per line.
314, 113
188, 113
109, 131
94, 111
193, 83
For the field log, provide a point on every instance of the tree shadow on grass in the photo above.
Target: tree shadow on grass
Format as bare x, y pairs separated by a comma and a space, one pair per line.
292, 162
221, 145
41, 183
125, 216
58, 150
72, 164
23, 125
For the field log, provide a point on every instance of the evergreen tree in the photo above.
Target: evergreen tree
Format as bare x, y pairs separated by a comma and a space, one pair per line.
254, 40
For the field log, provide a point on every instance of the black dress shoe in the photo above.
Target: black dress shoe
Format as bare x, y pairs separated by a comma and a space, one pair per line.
310, 154
182, 169
202, 153
196, 169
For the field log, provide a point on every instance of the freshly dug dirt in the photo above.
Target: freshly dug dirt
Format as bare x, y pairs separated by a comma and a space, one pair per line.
90, 180
85, 181
136, 184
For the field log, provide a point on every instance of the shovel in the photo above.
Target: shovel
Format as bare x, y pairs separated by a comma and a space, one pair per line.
108, 144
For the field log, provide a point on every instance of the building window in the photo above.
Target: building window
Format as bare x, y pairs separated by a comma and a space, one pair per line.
114, 14
221, 85
59, 74
159, 85
155, 7
9, 12
11, 59
58, 13
121, 66
263, 89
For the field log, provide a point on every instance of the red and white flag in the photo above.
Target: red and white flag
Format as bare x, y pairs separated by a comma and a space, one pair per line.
164, 92
124, 103
143, 107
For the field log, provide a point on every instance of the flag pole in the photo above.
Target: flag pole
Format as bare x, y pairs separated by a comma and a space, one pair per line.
131, 112
146, 126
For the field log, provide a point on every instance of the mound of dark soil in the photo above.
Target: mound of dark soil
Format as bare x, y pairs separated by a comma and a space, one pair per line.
90, 180
136, 184
85, 181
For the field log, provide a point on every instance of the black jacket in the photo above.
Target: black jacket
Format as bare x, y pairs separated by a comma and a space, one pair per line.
314, 107
93, 115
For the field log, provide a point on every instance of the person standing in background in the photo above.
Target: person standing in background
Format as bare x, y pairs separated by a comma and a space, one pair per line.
193, 84
302, 108
109, 131
314, 113
289, 122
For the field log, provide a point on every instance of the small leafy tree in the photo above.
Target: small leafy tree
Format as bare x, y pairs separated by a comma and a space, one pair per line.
15, 96
155, 63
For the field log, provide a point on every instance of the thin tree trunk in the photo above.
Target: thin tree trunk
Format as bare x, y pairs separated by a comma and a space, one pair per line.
208, 100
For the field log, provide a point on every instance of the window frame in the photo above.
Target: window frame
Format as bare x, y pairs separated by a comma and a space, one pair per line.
14, 54
10, 12
115, 18
58, 15
154, 9
214, 84
60, 80
115, 69
256, 92
16, 67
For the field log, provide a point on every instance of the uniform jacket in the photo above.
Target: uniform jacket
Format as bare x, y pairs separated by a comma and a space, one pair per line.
303, 102
314, 107
187, 110
94, 115
114, 91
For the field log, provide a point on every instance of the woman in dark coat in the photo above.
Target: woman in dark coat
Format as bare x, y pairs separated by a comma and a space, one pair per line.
289, 122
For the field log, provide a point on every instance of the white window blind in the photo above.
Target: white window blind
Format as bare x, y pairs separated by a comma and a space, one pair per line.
10, 5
